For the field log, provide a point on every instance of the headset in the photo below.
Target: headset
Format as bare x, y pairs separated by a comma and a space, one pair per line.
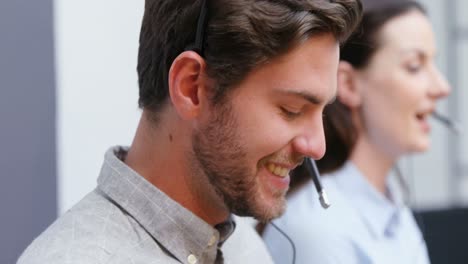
311, 167
448, 123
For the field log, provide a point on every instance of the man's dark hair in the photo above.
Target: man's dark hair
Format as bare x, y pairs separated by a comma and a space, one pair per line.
240, 35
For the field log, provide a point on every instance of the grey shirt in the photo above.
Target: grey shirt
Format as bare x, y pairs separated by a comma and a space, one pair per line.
128, 220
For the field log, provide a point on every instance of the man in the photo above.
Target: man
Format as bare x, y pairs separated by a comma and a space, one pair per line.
232, 94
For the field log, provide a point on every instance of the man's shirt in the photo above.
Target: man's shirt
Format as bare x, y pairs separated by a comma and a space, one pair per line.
126, 219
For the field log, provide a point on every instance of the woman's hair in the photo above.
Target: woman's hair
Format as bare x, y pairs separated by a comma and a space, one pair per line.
340, 133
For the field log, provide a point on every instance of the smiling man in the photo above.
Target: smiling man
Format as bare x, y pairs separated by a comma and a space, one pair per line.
232, 94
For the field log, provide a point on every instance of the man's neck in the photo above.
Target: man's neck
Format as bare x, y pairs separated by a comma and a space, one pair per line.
161, 156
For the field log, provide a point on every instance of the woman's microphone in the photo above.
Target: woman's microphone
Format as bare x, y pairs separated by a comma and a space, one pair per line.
448, 123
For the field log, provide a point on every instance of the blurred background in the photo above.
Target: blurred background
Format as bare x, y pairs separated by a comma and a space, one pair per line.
68, 91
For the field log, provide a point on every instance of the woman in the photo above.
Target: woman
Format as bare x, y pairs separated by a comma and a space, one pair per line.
388, 86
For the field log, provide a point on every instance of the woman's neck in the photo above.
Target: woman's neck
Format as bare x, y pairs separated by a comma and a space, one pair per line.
372, 162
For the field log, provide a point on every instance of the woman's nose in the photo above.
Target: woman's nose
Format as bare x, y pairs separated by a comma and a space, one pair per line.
440, 87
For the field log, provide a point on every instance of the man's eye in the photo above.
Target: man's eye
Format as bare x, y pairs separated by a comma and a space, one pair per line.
290, 114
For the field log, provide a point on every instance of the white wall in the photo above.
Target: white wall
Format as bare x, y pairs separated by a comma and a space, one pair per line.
97, 91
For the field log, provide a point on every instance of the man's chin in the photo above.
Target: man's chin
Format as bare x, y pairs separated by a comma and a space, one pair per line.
263, 206
269, 211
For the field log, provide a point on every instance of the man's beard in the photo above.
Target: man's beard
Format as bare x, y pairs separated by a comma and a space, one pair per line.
222, 157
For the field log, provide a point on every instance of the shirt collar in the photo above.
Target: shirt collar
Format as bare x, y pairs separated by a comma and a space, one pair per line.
379, 213
173, 226
225, 230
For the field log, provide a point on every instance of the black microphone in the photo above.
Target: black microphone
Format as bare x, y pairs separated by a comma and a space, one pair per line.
448, 123
311, 168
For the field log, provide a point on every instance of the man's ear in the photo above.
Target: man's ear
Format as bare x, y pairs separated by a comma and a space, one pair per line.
187, 84
349, 92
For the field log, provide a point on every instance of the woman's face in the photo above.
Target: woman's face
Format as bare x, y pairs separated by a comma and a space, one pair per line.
400, 86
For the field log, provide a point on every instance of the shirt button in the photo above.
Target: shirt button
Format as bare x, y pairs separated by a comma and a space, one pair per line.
212, 241
192, 259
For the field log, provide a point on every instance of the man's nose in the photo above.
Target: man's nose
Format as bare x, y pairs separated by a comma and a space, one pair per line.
310, 141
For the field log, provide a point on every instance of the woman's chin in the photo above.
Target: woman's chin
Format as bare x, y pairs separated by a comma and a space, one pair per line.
420, 146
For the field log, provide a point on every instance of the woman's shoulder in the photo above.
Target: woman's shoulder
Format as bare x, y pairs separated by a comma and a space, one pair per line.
319, 235
303, 208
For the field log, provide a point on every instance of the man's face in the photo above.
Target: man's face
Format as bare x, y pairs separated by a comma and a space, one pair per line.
265, 127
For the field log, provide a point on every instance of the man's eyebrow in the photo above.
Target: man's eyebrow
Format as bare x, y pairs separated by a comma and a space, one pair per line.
312, 98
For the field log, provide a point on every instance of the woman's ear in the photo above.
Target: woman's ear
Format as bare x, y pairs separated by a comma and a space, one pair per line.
349, 92
187, 84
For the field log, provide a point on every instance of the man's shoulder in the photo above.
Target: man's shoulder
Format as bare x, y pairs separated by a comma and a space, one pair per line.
93, 231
